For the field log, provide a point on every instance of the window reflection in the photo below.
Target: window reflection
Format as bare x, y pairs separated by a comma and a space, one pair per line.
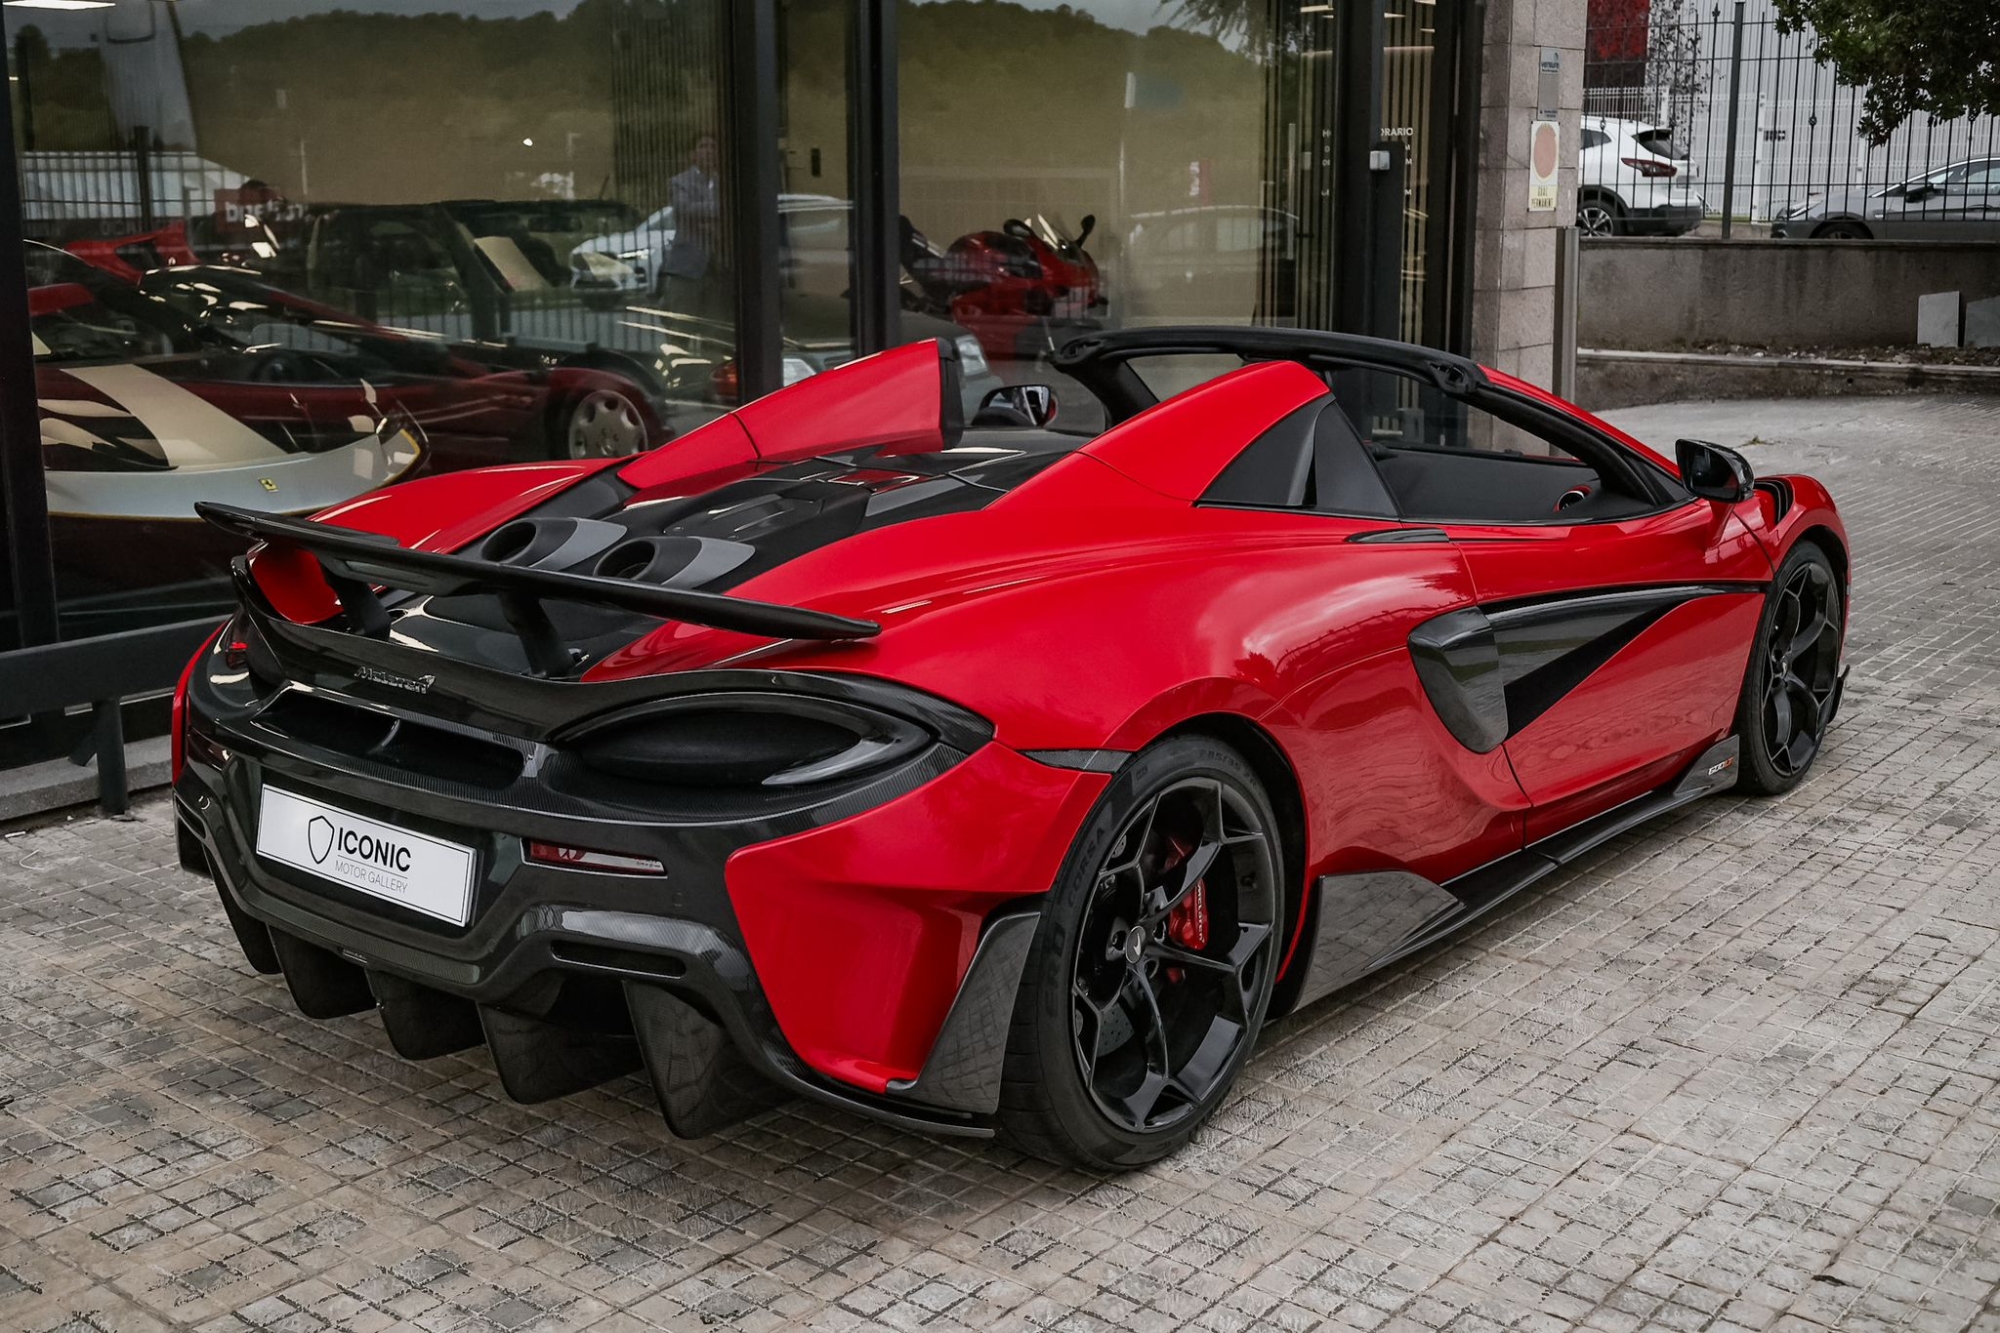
283, 254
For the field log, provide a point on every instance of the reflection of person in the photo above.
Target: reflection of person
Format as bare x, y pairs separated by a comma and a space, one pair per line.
697, 261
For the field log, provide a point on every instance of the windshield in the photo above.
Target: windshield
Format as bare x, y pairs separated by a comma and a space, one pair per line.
1053, 230
79, 314
1660, 143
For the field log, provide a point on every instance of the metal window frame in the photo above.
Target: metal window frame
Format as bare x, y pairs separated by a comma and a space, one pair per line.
750, 116
1468, 35
875, 176
25, 552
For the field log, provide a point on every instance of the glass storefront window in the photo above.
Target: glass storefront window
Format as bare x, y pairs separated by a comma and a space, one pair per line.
283, 255
1105, 164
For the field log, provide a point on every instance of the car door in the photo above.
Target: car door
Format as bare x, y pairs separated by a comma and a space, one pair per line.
1982, 201
1931, 208
1620, 611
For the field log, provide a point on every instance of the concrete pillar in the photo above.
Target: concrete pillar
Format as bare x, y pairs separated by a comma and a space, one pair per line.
1514, 251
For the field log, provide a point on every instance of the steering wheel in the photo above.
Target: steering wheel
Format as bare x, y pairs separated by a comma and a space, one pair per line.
1572, 497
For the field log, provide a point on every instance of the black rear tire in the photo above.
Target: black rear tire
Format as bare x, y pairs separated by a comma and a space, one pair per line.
1127, 1034
1793, 675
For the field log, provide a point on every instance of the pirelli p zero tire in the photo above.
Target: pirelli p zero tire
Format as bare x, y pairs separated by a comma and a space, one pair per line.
1152, 966
1794, 672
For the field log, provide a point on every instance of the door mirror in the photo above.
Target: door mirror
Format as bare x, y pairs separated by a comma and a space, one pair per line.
1089, 226
1713, 472
1916, 194
1017, 405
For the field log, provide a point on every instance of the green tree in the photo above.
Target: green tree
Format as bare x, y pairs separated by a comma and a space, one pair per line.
1941, 57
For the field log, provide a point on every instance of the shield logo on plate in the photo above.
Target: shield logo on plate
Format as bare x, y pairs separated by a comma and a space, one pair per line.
319, 837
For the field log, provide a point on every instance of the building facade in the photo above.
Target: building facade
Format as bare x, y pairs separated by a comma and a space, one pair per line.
283, 254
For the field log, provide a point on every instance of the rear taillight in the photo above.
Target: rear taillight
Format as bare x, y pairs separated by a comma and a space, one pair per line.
1651, 167
727, 382
584, 858
177, 747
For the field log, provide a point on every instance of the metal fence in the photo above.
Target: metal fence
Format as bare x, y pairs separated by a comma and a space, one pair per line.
116, 192
1754, 127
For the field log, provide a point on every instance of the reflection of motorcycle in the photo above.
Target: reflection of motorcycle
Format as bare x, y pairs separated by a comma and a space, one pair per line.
1023, 290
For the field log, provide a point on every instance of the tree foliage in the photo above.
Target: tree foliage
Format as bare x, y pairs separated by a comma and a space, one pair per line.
1940, 57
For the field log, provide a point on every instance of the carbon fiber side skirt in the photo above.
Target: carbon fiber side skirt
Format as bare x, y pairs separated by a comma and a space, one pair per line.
1364, 922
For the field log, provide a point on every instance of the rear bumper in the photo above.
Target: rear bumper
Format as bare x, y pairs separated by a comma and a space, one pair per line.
815, 952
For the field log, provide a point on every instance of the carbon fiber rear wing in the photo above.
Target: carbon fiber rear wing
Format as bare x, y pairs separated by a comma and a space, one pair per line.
356, 562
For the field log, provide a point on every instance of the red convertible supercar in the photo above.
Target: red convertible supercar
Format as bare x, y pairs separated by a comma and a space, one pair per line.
988, 778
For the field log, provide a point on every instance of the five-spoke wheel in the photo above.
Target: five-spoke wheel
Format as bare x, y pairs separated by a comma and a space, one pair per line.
1794, 676
1154, 962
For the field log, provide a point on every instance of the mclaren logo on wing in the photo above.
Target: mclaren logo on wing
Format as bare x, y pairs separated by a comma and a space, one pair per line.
414, 684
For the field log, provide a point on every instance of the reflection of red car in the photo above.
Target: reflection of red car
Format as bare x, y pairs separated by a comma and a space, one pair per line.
488, 402
184, 241
476, 402
143, 413
986, 779
203, 383
1023, 289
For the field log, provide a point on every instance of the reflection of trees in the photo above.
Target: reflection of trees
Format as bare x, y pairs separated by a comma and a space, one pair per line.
1257, 26
992, 85
70, 109
387, 108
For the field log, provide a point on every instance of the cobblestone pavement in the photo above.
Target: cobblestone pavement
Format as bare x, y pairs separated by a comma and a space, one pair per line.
1737, 1070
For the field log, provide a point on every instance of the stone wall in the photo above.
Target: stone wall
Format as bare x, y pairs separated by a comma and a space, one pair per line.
1514, 251
1665, 295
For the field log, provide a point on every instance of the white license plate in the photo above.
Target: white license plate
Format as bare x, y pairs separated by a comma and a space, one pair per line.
422, 873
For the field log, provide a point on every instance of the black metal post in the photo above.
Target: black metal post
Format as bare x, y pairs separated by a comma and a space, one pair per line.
142, 172
752, 182
1735, 103
1468, 33
876, 236
108, 726
24, 499
1359, 126
27, 82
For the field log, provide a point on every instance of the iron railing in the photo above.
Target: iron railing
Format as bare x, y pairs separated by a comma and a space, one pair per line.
1759, 125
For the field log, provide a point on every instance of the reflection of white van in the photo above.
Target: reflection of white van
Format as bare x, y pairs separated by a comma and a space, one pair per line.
814, 242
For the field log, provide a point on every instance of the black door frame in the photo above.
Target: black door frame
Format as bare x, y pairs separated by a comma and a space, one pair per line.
26, 562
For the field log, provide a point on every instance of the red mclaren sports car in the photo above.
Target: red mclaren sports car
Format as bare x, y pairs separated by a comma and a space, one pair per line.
985, 778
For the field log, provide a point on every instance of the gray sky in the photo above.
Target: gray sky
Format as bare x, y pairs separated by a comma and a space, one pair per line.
224, 16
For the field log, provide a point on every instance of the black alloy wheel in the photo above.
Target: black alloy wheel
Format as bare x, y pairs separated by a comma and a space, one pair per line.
1154, 962
1794, 674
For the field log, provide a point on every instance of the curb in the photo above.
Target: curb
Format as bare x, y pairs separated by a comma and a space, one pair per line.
1608, 378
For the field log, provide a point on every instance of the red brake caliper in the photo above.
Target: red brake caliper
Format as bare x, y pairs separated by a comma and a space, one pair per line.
1187, 923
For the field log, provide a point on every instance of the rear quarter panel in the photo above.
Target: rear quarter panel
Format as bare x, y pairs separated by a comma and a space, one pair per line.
1132, 620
